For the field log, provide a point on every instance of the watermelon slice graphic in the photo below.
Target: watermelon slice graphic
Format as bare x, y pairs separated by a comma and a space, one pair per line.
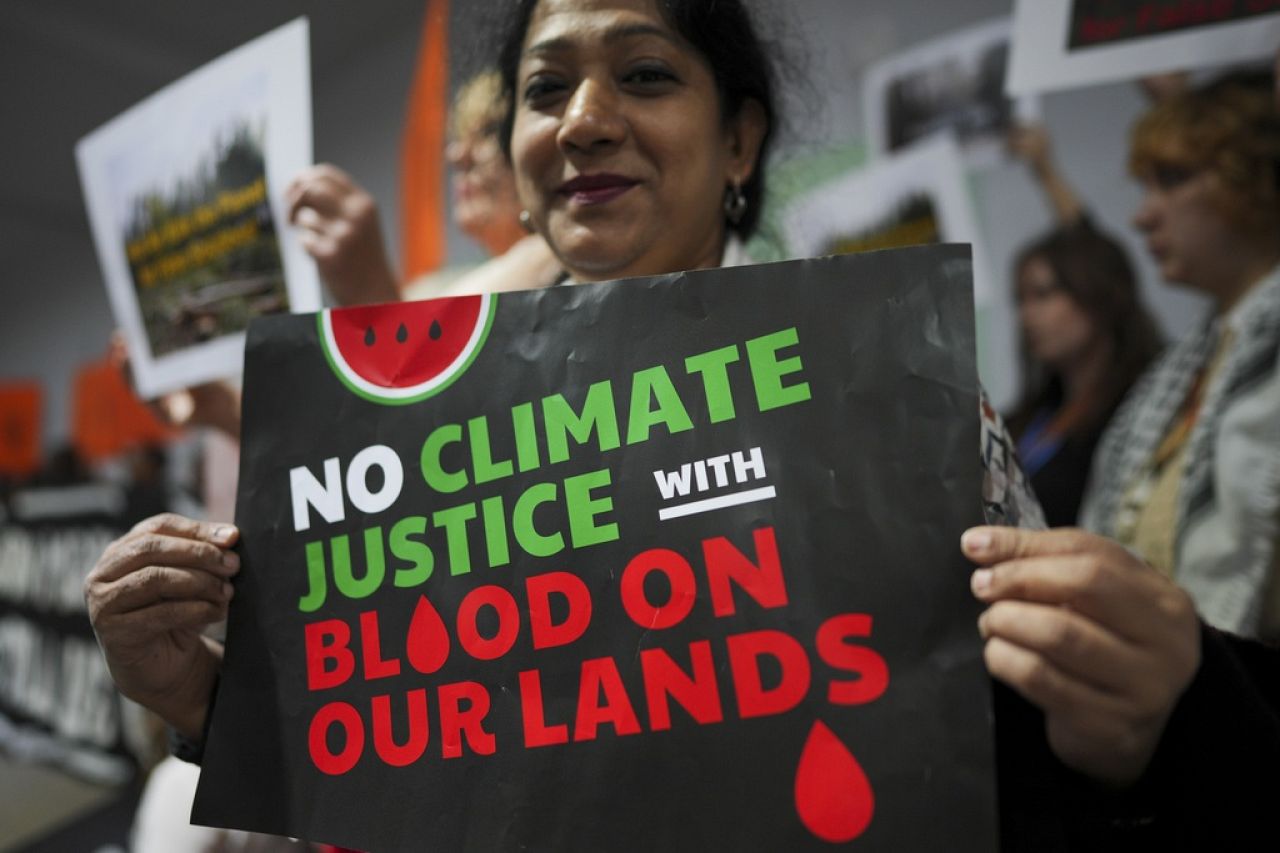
406, 351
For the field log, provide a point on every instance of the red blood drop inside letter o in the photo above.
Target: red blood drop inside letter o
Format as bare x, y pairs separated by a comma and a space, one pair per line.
335, 764
679, 574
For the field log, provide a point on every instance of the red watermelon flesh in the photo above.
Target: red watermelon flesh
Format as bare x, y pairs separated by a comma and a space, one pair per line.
402, 345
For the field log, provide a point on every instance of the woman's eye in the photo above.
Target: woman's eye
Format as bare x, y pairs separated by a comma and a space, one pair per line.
650, 76
1168, 177
541, 89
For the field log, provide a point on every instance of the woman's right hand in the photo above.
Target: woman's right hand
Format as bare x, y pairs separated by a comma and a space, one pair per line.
1101, 642
150, 597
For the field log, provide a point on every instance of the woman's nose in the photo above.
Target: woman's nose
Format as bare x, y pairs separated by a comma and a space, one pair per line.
457, 153
1144, 217
592, 118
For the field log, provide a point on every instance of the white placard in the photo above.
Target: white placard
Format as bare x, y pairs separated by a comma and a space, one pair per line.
185, 198
953, 84
1058, 44
918, 195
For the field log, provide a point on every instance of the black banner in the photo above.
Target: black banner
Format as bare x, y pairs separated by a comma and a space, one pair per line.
58, 704
668, 563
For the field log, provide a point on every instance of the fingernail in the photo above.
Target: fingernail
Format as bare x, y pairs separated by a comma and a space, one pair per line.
982, 625
231, 560
976, 541
223, 534
980, 582
227, 590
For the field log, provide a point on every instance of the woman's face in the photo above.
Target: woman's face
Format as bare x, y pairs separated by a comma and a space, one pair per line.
620, 151
1057, 330
485, 205
1182, 217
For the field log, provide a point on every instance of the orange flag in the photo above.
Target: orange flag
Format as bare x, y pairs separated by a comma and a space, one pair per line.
422, 168
107, 417
19, 428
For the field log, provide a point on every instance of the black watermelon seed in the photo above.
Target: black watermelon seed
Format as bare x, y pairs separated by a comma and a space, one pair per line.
369, 337
402, 334
435, 331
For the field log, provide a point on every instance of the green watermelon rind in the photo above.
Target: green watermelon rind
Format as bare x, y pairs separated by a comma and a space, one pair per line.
434, 385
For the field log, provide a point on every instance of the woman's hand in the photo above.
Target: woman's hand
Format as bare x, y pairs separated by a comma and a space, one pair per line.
1030, 143
1080, 627
150, 597
339, 228
213, 404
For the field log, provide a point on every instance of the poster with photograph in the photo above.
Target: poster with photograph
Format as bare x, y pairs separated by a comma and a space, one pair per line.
917, 196
1058, 44
661, 564
953, 84
184, 198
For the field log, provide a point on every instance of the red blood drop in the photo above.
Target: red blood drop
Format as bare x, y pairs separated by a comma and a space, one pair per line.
427, 646
833, 797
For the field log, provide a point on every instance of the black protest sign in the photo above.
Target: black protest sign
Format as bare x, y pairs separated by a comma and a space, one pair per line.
663, 564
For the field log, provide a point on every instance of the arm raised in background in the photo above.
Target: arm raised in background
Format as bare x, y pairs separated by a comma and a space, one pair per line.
339, 227
1031, 144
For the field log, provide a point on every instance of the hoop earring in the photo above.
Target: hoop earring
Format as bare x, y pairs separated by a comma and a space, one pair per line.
526, 221
735, 203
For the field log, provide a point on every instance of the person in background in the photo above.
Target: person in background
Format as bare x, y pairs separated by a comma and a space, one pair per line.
1188, 473
339, 226
1085, 335
485, 205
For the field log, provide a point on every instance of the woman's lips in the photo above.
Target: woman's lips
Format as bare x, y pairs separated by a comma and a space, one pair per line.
595, 189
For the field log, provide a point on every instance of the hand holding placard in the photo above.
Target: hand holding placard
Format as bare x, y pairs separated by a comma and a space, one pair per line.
1103, 643
150, 596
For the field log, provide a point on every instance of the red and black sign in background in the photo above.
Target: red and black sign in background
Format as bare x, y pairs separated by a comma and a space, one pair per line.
1103, 22
663, 564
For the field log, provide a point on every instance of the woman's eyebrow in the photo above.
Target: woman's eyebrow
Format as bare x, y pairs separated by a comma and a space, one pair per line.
612, 35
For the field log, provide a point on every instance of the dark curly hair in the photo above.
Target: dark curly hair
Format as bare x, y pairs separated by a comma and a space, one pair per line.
1230, 127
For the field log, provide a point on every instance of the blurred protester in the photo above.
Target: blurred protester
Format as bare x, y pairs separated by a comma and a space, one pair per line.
339, 225
1188, 474
485, 205
1085, 338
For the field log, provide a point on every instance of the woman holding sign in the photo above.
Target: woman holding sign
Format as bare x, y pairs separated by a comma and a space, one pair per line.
637, 134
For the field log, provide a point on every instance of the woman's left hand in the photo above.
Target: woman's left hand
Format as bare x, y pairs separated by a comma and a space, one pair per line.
1082, 628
